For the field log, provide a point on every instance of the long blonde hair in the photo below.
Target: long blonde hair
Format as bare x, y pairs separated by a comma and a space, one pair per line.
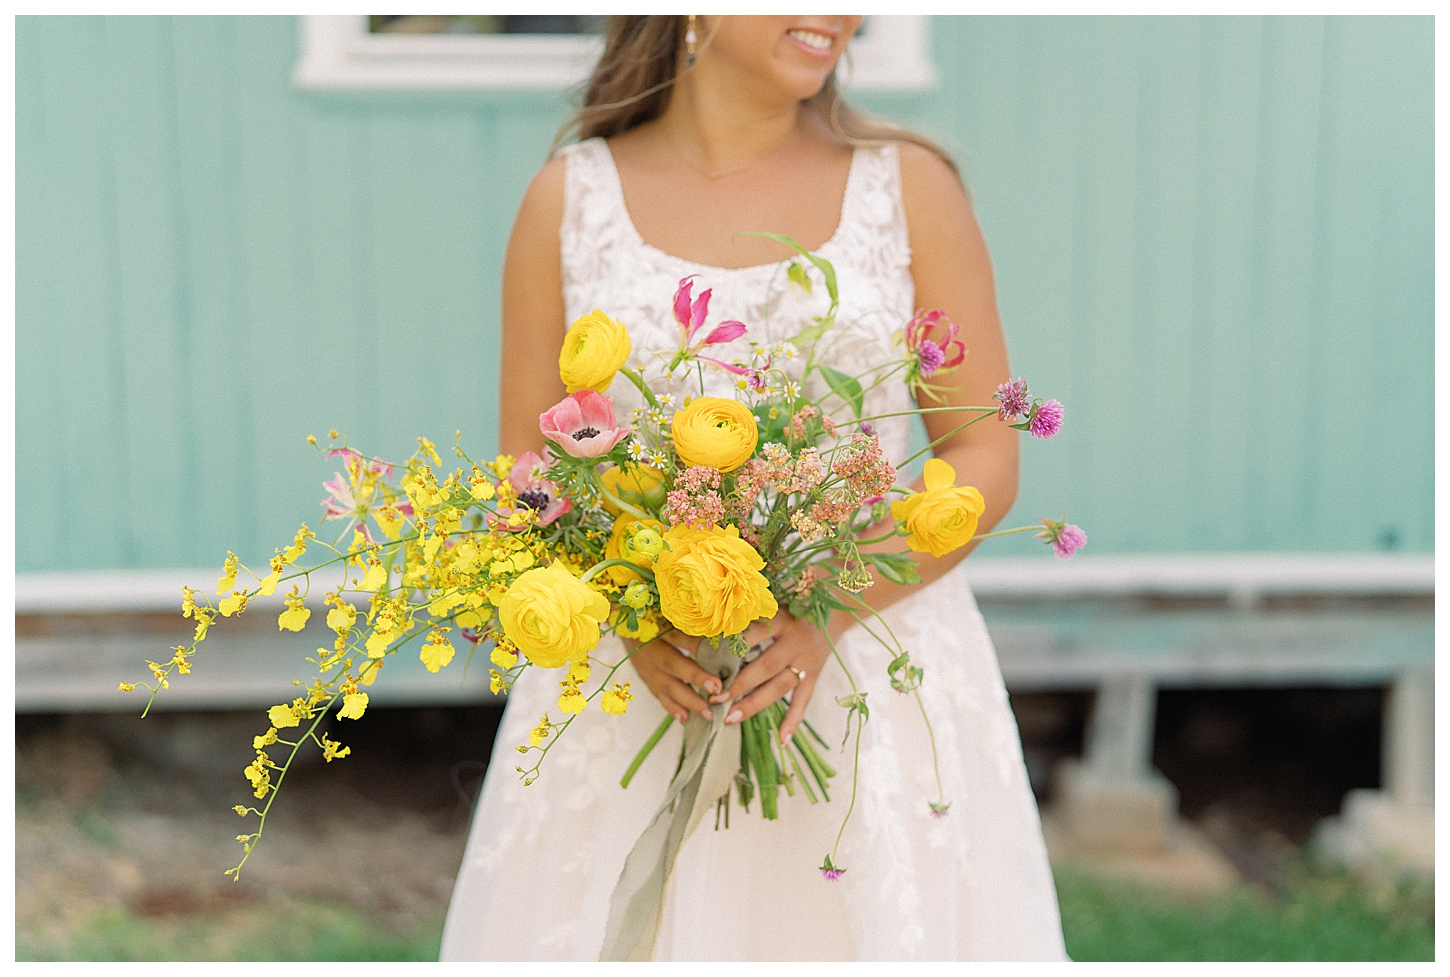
636, 74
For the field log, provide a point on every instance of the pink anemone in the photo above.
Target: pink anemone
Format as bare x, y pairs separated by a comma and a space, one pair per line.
583, 424
535, 492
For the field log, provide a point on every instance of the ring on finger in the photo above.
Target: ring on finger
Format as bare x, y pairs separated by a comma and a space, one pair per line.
799, 674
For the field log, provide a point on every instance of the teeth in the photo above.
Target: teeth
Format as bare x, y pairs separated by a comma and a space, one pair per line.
818, 41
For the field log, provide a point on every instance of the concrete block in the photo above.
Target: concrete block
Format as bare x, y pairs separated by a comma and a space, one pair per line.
1099, 812
1375, 830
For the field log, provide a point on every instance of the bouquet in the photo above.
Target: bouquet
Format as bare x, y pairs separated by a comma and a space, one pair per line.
702, 516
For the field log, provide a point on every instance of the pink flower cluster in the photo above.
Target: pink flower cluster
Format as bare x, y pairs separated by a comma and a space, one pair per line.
695, 499
865, 469
801, 587
836, 506
796, 429
775, 469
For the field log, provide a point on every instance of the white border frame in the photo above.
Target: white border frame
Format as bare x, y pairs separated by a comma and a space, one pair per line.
338, 54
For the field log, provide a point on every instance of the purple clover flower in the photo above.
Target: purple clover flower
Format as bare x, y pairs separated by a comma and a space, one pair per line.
1013, 395
1045, 420
930, 357
1065, 538
1069, 541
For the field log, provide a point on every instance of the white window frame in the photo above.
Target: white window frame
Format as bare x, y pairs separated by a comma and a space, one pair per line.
339, 54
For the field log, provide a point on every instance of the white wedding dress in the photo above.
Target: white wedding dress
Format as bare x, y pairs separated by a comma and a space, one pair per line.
542, 860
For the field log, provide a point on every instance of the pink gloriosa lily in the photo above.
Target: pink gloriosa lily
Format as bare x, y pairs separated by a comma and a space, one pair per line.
583, 425
690, 313
355, 496
933, 338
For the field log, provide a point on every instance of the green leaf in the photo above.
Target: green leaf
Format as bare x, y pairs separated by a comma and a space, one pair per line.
810, 334
845, 387
896, 567
797, 275
828, 271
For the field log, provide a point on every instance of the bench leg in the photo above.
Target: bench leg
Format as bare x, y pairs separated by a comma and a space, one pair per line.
1394, 827
1113, 800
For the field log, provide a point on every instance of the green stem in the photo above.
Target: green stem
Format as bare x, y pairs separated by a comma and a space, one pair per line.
1009, 532
855, 776
645, 751
633, 377
924, 410
933, 444
616, 562
935, 765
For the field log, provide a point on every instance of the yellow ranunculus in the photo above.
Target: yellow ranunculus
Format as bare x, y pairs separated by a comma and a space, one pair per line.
595, 347
944, 516
552, 616
715, 431
616, 548
710, 582
637, 485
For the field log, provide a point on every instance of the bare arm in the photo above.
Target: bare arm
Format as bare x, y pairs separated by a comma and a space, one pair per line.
533, 314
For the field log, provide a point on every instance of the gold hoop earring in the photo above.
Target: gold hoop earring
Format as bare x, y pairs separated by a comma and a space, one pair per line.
690, 42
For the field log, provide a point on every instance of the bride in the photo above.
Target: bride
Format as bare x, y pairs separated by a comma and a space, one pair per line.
695, 129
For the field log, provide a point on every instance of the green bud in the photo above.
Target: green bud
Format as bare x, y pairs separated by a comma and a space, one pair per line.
646, 541
637, 595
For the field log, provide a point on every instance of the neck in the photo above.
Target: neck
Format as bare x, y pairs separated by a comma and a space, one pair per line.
721, 125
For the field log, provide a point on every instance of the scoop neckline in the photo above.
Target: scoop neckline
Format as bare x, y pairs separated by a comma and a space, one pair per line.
851, 179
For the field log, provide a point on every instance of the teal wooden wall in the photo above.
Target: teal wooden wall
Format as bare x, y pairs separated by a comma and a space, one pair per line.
1213, 239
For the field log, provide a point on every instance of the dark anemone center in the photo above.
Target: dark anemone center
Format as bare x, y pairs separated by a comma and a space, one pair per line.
585, 432
534, 498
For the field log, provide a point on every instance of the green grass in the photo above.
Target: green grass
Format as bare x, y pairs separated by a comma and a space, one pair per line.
294, 931
1319, 915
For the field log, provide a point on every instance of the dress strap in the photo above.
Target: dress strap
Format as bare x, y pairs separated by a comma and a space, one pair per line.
595, 230
873, 227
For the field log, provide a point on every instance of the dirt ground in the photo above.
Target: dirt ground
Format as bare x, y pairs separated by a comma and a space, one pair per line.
113, 811
119, 815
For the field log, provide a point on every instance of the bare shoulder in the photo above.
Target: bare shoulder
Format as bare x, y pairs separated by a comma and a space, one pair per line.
930, 191
543, 201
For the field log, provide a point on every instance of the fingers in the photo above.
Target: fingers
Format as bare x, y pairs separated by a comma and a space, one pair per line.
797, 711
669, 675
771, 661
775, 687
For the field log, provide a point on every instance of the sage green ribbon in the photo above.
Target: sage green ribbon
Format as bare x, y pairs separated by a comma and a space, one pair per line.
712, 758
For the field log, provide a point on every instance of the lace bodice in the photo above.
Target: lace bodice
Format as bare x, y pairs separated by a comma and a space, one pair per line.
608, 266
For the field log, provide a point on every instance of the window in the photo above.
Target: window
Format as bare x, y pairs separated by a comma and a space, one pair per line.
483, 53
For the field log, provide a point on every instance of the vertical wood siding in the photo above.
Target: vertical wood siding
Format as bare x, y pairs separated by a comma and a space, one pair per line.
1213, 239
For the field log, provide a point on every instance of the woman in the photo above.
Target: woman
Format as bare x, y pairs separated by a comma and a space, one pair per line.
693, 130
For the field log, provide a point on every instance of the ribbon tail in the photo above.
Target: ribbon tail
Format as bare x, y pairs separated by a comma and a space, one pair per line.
712, 758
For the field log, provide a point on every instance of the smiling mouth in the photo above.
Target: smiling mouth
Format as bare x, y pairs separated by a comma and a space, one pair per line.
811, 39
